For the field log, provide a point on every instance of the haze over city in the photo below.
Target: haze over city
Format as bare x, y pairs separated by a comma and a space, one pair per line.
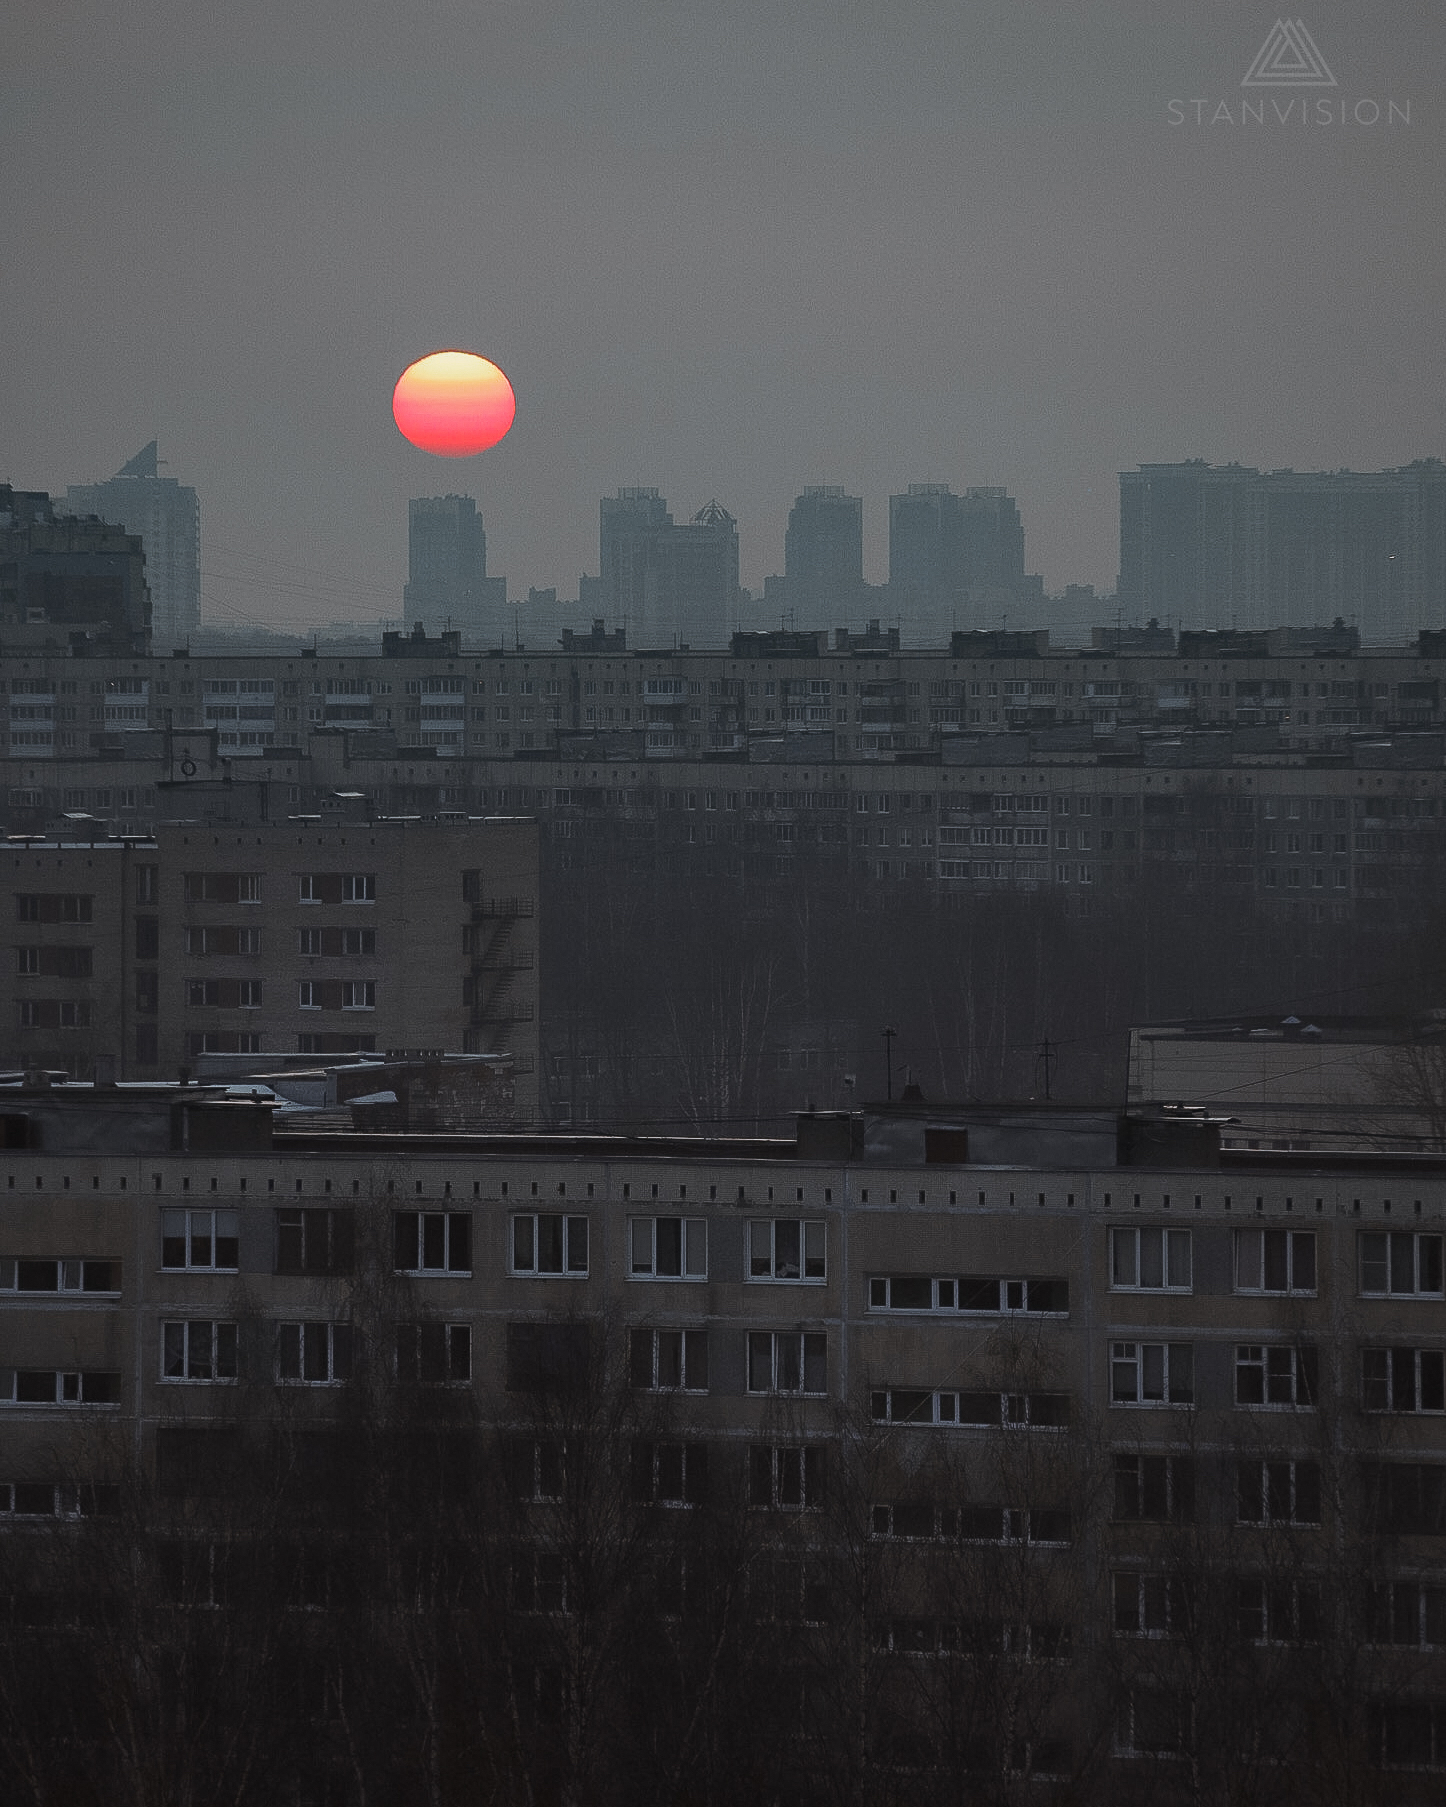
726, 250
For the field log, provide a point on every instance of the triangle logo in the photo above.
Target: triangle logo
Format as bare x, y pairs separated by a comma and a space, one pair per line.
1288, 59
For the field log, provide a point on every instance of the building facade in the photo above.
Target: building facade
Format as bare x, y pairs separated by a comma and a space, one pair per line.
1065, 1397
1227, 546
953, 560
823, 553
667, 584
447, 586
139, 956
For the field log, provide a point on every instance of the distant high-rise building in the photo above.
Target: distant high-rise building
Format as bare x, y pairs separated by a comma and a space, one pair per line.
951, 557
447, 582
823, 554
167, 516
1229, 546
667, 583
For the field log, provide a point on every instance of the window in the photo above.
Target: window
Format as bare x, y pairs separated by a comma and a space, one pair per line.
1408, 1734
1408, 1498
48, 1499
970, 1409
51, 906
1277, 1612
434, 1355
1152, 1374
359, 994
1147, 1605
1282, 1374
539, 1581
46, 1386
1154, 1489
200, 1239
359, 887
1403, 1380
1150, 1723
1409, 1613
315, 1241
308, 995
432, 1242
1279, 1492
786, 1249
1275, 1261
544, 1243
788, 1477
1149, 1260
967, 1292
669, 1474
28, 1276
668, 1248
308, 941
664, 1360
55, 962
535, 1468
1399, 1264
357, 942
1008, 1524
198, 1349
314, 1354
787, 1361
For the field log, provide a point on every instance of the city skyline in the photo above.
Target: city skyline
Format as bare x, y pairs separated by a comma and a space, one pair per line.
972, 249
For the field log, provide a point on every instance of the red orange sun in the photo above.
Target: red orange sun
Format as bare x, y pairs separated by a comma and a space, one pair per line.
453, 403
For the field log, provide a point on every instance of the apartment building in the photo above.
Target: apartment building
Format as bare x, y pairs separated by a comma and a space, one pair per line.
1090, 1347
134, 957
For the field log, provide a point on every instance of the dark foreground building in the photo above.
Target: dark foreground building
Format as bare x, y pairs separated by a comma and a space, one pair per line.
946, 1455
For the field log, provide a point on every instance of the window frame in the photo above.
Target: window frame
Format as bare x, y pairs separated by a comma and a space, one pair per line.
568, 1233
1175, 1483
1267, 1470
1295, 1367
692, 1232
1420, 1240
1423, 1362
653, 1454
692, 1356
1134, 1235
411, 1363
949, 1293
68, 1387
776, 1356
340, 1351
222, 1341
1293, 1243
947, 1406
72, 1275
191, 1214
770, 1471
1132, 1351
421, 1268
811, 1230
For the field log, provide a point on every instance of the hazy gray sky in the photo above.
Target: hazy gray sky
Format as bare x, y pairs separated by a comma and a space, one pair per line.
726, 248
